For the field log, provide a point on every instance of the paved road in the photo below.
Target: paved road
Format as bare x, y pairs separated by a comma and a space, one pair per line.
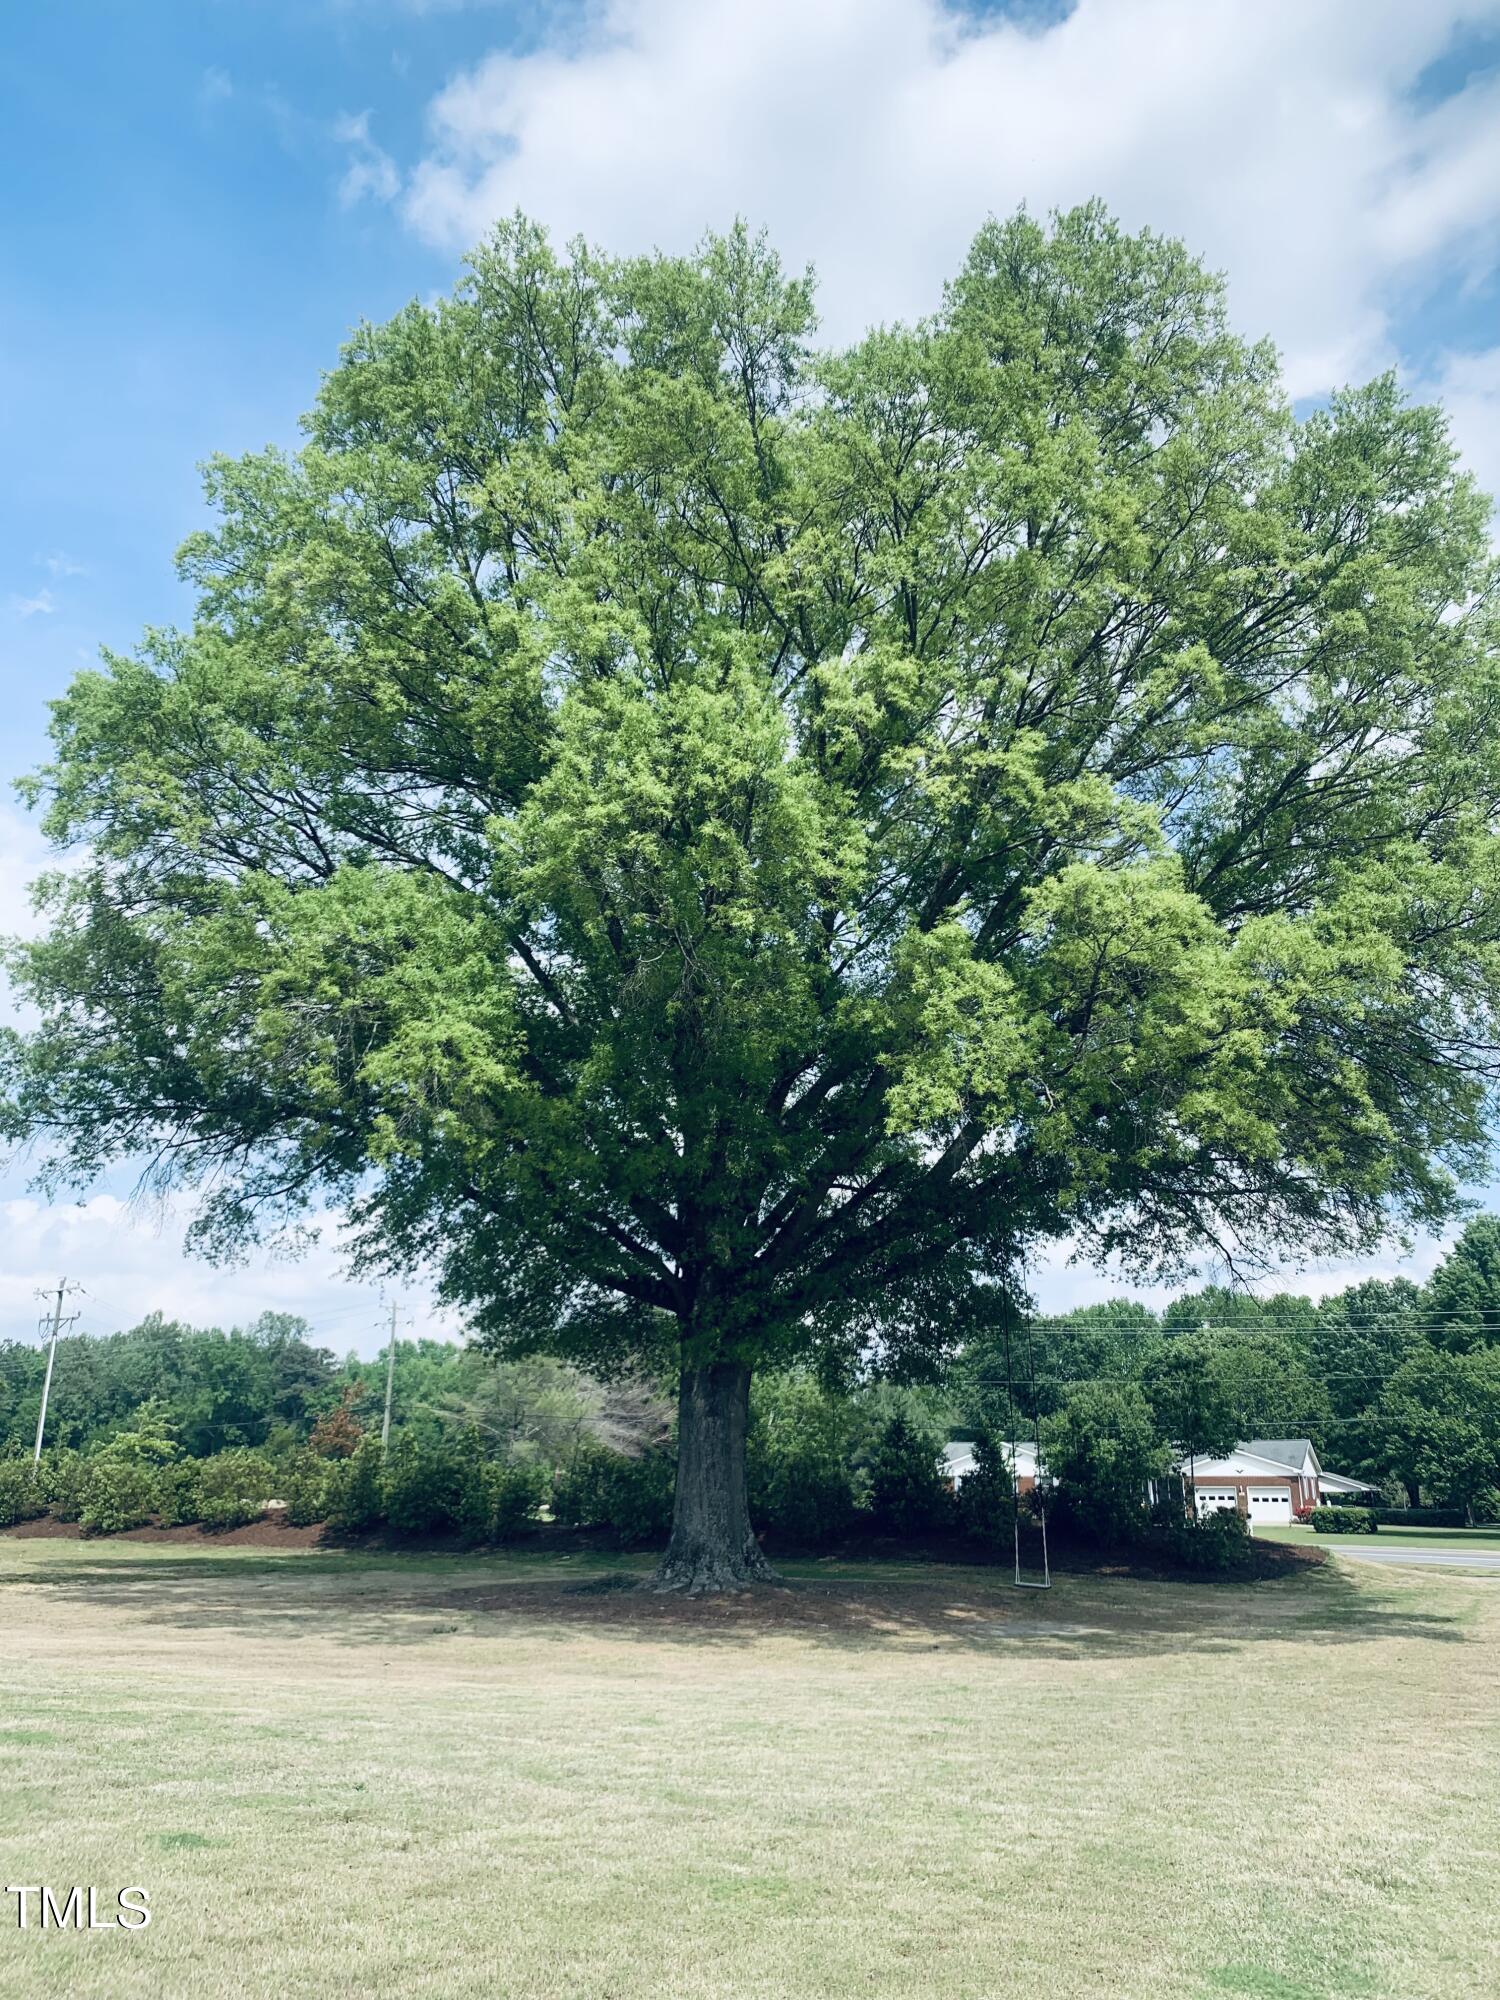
1486, 1561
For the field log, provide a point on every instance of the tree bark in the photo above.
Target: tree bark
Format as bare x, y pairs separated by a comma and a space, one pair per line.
713, 1546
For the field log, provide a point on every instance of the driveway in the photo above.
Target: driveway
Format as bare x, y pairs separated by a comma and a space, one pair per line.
1485, 1561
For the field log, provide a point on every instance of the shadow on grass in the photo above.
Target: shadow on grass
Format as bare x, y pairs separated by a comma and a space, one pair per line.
392, 1601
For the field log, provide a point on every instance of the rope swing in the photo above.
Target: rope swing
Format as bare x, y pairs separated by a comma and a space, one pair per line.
1044, 1581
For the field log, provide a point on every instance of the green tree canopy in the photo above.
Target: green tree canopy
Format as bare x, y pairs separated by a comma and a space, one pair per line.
1102, 1446
1464, 1295
718, 848
1188, 1398
1437, 1424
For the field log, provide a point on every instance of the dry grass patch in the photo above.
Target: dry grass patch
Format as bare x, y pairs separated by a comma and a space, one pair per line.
470, 1776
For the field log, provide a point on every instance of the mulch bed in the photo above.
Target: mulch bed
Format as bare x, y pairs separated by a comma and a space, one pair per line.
270, 1534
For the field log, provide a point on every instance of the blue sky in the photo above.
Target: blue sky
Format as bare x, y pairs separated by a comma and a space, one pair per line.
199, 202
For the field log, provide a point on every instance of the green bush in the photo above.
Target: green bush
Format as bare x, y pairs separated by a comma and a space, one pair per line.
1102, 1447
177, 1493
22, 1494
500, 1501
1216, 1544
64, 1474
233, 1488
302, 1481
985, 1500
118, 1493
605, 1489
806, 1499
907, 1494
1343, 1520
355, 1499
423, 1487
798, 1462
150, 1438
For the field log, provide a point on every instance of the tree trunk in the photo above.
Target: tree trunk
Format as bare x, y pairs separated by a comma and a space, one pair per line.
712, 1546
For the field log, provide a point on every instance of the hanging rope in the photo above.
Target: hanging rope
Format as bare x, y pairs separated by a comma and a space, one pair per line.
1044, 1582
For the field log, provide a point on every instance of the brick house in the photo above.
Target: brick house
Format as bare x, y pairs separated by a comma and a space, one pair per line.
1267, 1479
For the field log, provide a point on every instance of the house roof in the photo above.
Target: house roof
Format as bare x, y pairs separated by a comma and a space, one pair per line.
1274, 1458
1338, 1482
1297, 1453
959, 1457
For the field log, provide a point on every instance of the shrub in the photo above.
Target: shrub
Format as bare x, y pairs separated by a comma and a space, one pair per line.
355, 1499
605, 1489
64, 1473
118, 1493
798, 1462
177, 1493
1216, 1544
1419, 1517
422, 1487
233, 1488
150, 1439
806, 1498
22, 1494
338, 1432
1344, 1521
907, 1494
500, 1501
303, 1483
1102, 1448
985, 1501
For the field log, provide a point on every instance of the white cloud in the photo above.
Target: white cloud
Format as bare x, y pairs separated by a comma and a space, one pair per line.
873, 137
371, 171
60, 564
42, 604
1059, 1285
128, 1259
1468, 387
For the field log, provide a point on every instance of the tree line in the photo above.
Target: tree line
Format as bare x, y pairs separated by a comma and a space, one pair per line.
1393, 1381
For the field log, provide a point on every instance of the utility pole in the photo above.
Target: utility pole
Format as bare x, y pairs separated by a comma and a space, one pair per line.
390, 1382
57, 1320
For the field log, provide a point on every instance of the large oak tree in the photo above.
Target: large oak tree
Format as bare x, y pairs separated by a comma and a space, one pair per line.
720, 847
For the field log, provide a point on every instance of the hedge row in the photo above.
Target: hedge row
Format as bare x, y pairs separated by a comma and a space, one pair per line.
802, 1489
413, 1489
1421, 1517
1343, 1520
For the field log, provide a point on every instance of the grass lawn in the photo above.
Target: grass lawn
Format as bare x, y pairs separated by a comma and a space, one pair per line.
396, 1775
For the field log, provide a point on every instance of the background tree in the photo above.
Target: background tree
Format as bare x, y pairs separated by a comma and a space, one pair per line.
1101, 1448
718, 850
1361, 1337
1464, 1295
220, 1389
1188, 1397
1438, 1421
907, 1494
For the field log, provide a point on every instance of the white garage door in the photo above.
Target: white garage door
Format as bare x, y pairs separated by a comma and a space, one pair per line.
1212, 1498
1270, 1503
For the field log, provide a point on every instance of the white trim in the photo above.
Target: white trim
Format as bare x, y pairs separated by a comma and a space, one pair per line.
1239, 1465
